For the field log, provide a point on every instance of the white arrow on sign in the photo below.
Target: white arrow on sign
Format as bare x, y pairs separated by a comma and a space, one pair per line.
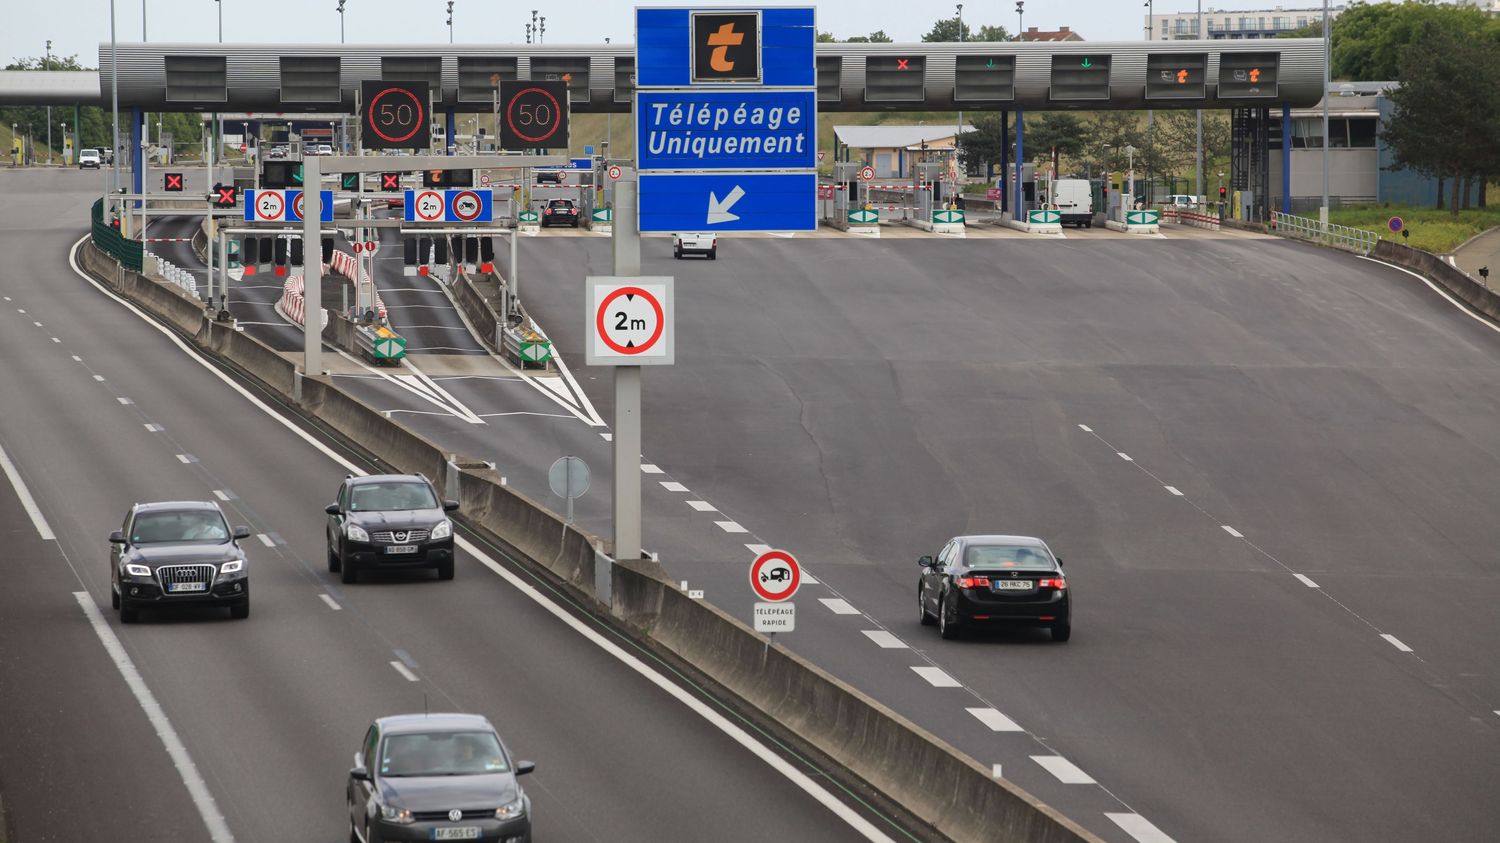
719, 211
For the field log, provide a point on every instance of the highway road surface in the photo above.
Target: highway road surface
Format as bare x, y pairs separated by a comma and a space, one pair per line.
197, 727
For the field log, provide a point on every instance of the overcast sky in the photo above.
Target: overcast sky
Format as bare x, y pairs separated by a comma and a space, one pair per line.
77, 26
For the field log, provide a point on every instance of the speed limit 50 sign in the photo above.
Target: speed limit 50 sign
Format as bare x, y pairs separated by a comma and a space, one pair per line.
394, 115
629, 321
534, 115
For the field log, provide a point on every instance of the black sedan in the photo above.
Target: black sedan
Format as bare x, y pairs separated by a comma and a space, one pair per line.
174, 554
387, 521
992, 580
437, 777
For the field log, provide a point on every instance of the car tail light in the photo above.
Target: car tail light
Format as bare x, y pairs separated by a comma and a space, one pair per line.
1052, 582
973, 582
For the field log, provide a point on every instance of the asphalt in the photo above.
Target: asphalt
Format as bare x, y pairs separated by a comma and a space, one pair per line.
1481, 251
271, 708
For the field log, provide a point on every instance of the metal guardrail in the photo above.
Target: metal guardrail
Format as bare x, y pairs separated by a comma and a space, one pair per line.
1339, 236
105, 236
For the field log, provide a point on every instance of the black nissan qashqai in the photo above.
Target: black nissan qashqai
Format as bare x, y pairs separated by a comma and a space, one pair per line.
175, 554
386, 522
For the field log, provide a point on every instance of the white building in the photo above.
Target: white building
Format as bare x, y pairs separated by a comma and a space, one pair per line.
1234, 24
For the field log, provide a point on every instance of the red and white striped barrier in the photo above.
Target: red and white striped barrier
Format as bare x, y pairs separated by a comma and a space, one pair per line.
1208, 221
291, 305
166, 239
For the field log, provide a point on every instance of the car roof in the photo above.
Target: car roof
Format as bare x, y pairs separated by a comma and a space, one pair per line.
387, 478
159, 506
406, 724
1026, 541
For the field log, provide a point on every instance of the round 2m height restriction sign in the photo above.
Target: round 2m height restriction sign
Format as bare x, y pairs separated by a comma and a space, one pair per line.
629, 321
428, 206
775, 576
270, 205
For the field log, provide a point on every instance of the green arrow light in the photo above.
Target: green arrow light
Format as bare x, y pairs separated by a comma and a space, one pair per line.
990, 63
297, 174
1087, 64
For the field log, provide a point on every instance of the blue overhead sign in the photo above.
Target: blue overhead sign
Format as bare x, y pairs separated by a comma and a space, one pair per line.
726, 130
728, 202
683, 47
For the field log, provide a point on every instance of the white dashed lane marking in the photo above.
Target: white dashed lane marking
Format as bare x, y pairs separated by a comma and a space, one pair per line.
1395, 642
1140, 828
1124, 456
332, 604
99, 378
38, 324
404, 671
731, 527
885, 640
758, 549
186, 459
77, 359
265, 540
648, 468
703, 506
223, 495
1173, 490
123, 400
1305, 581
1066, 771
673, 486
1085, 428
937, 677
838, 605
996, 721
55, 339
154, 428
1232, 531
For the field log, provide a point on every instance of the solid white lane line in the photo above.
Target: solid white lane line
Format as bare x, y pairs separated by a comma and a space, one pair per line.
838, 606
154, 428
124, 400
673, 486
1305, 580
648, 468
218, 830
332, 603
793, 773
1173, 490
1435, 288
222, 495
996, 721
1139, 827
703, 506
1066, 771
937, 677
1085, 428
731, 527
28, 503
1232, 531
758, 549
1395, 642
404, 671
265, 540
885, 640
1124, 456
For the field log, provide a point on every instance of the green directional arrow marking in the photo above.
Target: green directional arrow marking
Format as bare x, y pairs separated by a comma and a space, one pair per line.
1087, 64
990, 63
297, 174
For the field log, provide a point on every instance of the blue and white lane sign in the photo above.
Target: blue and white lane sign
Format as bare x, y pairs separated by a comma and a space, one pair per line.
728, 202
664, 46
452, 205
282, 205
294, 205
726, 130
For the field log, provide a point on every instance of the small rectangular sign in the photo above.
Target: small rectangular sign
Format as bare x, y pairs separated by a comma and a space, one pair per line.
729, 202
775, 617
727, 130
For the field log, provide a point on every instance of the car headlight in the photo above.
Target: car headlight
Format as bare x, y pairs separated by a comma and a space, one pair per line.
356, 532
512, 810
395, 815
232, 567
442, 530
138, 570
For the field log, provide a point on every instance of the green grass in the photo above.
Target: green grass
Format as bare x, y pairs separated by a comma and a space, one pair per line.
1431, 230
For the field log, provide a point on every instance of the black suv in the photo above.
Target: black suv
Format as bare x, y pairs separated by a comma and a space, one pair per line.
387, 521
178, 553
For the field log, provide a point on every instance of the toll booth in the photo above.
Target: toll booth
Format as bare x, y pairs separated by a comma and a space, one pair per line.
1250, 161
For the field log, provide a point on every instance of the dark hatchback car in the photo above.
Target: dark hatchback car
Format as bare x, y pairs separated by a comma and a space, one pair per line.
993, 580
560, 212
437, 777
551, 177
389, 521
175, 554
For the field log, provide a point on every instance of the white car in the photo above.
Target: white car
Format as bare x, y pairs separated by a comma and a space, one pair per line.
696, 244
89, 158
1182, 201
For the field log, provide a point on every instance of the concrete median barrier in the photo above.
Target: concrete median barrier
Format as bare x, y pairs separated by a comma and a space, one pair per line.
1450, 278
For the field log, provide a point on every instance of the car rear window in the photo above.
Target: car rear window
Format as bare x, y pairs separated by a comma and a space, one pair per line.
388, 497
442, 754
561, 203
1007, 556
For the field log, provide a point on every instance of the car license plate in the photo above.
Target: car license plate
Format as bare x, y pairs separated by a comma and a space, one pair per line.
463, 832
406, 548
187, 586
1013, 585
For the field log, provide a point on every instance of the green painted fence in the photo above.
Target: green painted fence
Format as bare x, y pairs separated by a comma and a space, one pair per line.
109, 239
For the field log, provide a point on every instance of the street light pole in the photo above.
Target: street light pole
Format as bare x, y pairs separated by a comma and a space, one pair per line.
114, 96
959, 129
609, 123
1327, 80
450, 21
49, 108
1020, 19
340, 10
1198, 173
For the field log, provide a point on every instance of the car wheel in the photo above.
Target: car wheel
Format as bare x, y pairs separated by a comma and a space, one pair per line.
1062, 631
348, 574
334, 563
946, 627
445, 570
240, 611
713, 254
677, 253
114, 597
922, 612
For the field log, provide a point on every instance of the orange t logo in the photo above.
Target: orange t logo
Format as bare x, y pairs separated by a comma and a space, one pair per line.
1255, 75
721, 41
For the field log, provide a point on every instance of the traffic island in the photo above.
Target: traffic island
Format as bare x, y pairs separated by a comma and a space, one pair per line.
947, 222
1043, 222
1137, 222
602, 221
864, 222
529, 223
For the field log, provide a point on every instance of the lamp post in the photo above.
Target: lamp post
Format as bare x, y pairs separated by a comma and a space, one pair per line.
1020, 19
220, 4
541, 30
114, 97
1327, 79
450, 21
609, 122
340, 10
49, 108
65, 143
1198, 171
959, 129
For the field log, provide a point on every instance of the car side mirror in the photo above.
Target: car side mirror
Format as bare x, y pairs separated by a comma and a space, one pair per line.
925, 562
241, 532
1059, 559
524, 767
331, 509
450, 506
117, 537
359, 774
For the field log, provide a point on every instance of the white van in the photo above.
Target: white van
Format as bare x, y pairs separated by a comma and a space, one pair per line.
1075, 200
89, 158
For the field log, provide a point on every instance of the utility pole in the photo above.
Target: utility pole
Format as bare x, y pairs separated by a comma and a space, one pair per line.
143, 21
627, 415
114, 95
1198, 172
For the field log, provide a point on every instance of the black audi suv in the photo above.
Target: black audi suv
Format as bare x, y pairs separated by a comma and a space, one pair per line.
389, 521
437, 777
991, 580
178, 553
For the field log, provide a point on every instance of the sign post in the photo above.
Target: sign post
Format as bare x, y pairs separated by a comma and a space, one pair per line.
312, 271
626, 243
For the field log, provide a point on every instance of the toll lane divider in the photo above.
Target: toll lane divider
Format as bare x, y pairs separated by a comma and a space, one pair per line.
958, 797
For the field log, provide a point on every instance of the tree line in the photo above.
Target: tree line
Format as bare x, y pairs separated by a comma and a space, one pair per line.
93, 125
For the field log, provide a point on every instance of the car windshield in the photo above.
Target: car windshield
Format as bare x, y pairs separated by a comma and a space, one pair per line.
386, 497
1007, 556
442, 754
179, 525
